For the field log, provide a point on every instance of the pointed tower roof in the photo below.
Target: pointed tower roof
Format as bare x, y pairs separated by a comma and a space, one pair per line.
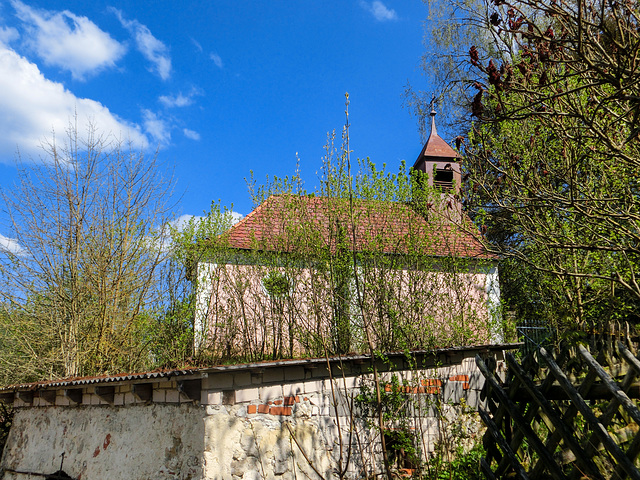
435, 146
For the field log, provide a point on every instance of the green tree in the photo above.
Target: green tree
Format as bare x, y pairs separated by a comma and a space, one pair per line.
88, 220
552, 156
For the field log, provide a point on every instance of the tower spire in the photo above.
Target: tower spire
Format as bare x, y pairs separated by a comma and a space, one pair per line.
433, 115
438, 160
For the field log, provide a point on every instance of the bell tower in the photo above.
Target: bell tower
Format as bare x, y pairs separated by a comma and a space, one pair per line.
439, 161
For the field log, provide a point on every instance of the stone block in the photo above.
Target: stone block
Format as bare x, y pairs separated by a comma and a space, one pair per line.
118, 399
129, 398
328, 384
453, 392
292, 389
242, 379
123, 388
348, 382
173, 396
210, 398
271, 375
270, 393
246, 395
473, 398
62, 401
476, 381
294, 373
312, 387
159, 396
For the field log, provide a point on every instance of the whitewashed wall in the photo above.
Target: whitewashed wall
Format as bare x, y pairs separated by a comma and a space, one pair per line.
259, 421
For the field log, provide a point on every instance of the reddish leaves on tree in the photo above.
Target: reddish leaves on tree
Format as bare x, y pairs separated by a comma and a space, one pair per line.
473, 53
516, 24
476, 105
494, 74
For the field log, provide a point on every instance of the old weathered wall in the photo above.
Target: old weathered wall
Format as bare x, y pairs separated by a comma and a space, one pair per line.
271, 421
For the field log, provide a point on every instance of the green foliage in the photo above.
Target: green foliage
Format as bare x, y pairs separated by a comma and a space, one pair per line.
277, 284
398, 417
465, 465
87, 217
6, 419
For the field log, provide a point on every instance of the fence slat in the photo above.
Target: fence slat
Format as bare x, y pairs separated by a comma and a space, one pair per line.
590, 417
584, 460
494, 431
534, 441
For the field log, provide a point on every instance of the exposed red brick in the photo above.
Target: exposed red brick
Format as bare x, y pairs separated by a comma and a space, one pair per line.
263, 408
459, 378
277, 402
387, 388
289, 400
306, 399
96, 452
433, 390
251, 409
465, 386
431, 381
280, 410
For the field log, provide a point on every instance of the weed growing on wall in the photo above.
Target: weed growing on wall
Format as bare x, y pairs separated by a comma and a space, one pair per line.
6, 419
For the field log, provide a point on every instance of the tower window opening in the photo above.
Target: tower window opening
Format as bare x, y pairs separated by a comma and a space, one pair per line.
444, 178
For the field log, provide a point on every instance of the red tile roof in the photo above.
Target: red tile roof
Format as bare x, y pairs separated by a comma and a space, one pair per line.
295, 223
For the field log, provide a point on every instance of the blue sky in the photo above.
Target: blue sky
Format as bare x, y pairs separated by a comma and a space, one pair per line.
222, 87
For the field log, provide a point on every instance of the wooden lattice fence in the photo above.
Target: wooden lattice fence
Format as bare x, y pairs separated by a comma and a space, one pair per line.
569, 415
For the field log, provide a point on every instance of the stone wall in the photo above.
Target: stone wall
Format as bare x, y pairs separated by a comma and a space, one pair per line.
271, 420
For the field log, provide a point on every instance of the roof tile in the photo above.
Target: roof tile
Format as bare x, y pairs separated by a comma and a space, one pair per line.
291, 223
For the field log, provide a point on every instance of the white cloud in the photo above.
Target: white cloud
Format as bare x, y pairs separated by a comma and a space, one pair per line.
197, 44
68, 41
151, 48
178, 100
216, 59
8, 35
156, 127
236, 217
33, 106
191, 134
379, 11
10, 245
